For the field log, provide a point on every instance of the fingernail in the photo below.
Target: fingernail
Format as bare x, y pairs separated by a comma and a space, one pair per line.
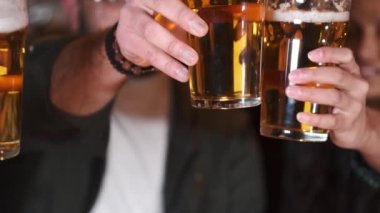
199, 27
314, 55
294, 75
182, 73
291, 91
303, 118
189, 57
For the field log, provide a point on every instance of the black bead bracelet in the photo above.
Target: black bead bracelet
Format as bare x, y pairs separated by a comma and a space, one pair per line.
118, 61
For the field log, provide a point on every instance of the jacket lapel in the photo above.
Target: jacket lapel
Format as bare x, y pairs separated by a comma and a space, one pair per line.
182, 149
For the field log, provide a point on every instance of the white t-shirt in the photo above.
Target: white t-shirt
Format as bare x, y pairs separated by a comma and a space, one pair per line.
136, 154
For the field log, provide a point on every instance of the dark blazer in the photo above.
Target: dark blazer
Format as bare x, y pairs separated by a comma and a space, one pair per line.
216, 163
213, 163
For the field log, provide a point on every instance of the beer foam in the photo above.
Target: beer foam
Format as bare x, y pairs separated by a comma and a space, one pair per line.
297, 16
13, 15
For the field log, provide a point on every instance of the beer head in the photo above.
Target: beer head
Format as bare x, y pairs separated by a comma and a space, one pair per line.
311, 5
13, 15
299, 16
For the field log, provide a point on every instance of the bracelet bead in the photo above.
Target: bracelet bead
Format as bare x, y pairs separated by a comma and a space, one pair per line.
118, 61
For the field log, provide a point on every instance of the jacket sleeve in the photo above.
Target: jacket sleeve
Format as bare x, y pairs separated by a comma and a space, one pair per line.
40, 116
364, 172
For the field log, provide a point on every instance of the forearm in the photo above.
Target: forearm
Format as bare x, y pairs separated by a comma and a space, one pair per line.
371, 149
83, 81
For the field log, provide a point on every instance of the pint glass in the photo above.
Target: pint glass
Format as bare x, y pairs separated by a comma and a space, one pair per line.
228, 72
13, 23
292, 29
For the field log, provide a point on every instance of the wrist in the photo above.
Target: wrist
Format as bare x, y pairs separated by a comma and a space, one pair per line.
118, 61
83, 81
100, 59
371, 154
370, 150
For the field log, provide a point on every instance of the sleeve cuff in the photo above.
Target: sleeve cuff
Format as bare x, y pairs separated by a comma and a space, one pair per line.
364, 172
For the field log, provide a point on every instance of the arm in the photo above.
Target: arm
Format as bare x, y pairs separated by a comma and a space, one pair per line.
352, 125
83, 80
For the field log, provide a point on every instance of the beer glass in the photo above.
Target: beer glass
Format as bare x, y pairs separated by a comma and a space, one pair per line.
228, 72
13, 23
292, 29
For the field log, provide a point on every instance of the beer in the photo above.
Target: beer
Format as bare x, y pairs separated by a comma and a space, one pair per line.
287, 40
13, 21
227, 74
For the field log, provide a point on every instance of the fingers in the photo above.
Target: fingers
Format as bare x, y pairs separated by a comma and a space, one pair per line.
347, 94
340, 56
323, 121
160, 37
145, 42
156, 57
341, 79
345, 76
340, 86
330, 97
180, 14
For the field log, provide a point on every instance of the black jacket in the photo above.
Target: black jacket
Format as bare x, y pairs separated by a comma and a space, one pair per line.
216, 161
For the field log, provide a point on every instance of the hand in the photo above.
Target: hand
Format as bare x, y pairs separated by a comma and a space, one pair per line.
348, 120
145, 42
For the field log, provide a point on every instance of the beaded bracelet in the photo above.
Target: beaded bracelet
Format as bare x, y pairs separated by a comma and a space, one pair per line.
118, 61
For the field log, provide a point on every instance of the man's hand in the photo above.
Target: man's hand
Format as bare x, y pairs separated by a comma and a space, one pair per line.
144, 41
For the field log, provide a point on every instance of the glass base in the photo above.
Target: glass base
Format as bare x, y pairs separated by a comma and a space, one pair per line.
292, 135
9, 149
224, 103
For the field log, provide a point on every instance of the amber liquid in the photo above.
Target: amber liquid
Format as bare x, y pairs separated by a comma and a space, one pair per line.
11, 67
228, 72
285, 48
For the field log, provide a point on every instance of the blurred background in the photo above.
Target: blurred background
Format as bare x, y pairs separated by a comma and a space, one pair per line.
46, 19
